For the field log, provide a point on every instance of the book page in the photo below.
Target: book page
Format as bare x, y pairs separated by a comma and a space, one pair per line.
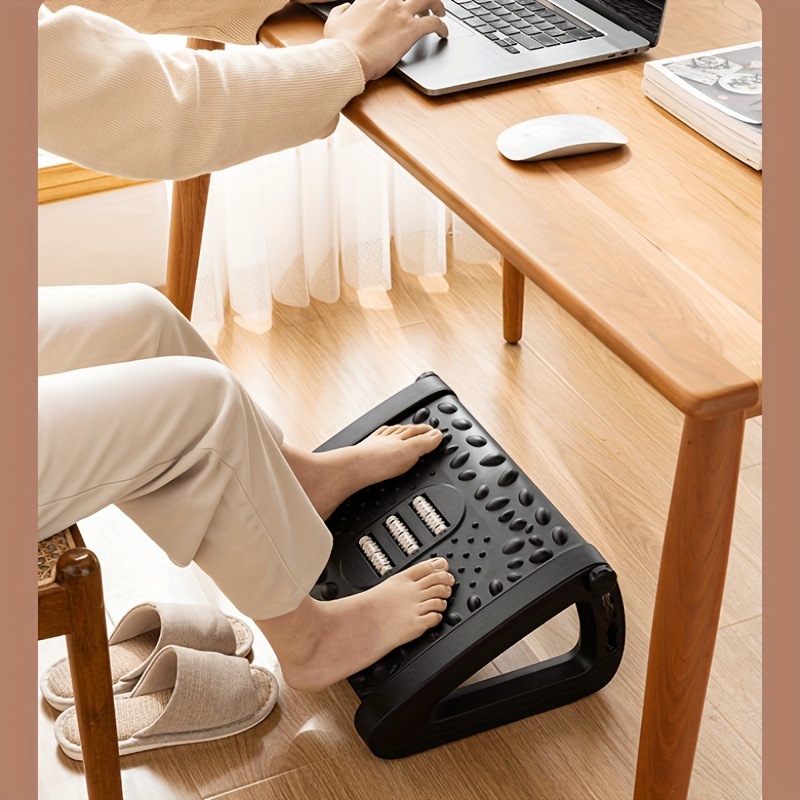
728, 79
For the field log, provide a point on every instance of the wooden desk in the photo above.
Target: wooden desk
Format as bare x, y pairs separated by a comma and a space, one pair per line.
656, 249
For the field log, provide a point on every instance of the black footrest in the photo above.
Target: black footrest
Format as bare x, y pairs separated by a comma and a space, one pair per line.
517, 563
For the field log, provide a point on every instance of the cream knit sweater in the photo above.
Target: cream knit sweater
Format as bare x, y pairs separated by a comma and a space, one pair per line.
109, 101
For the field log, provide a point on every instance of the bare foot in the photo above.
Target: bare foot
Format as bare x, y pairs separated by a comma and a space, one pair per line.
320, 643
330, 478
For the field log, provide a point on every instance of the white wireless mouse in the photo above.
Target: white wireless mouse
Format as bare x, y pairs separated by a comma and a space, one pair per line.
556, 136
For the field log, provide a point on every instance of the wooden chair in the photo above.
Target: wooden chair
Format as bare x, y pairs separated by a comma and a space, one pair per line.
71, 603
70, 586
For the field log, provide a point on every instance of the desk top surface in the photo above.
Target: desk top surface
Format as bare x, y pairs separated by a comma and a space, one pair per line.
655, 247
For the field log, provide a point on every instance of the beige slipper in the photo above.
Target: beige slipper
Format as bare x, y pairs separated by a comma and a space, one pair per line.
142, 633
184, 696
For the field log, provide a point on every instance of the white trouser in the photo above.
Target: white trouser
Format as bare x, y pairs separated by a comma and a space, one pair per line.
135, 410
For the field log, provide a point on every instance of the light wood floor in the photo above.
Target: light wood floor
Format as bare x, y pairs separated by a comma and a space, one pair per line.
599, 443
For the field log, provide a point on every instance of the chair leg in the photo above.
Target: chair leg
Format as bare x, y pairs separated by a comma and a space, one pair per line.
78, 572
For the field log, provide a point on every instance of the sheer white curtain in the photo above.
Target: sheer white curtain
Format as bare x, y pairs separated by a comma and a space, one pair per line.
290, 226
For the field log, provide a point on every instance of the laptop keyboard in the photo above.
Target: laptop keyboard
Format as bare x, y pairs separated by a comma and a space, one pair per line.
520, 25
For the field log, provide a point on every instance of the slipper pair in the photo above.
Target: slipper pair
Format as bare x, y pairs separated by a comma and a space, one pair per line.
179, 676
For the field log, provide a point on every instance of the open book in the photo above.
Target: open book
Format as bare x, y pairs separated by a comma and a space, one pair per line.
716, 92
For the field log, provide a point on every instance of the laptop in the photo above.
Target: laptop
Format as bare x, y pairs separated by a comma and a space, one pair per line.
492, 41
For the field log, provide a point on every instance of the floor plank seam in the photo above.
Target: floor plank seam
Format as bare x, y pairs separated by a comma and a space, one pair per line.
263, 782
732, 725
547, 362
739, 622
751, 467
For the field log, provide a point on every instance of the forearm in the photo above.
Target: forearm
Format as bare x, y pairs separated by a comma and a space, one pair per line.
235, 21
111, 102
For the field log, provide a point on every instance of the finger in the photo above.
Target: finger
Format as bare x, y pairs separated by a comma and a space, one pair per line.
337, 11
423, 6
433, 24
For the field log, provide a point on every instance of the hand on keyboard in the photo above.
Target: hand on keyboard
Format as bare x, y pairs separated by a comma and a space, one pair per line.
381, 32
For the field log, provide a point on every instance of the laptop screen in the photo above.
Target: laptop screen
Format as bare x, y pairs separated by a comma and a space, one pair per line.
641, 16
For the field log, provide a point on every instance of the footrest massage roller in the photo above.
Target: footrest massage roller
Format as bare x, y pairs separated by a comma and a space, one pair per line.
517, 563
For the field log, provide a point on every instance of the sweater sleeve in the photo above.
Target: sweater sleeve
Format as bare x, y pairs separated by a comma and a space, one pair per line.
111, 102
234, 21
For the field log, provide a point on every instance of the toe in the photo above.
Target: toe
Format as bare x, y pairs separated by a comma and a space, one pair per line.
440, 578
436, 604
430, 567
388, 430
431, 620
428, 441
438, 564
437, 590
410, 431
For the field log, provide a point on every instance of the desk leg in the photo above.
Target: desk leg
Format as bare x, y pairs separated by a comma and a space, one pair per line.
688, 600
185, 236
513, 302
186, 224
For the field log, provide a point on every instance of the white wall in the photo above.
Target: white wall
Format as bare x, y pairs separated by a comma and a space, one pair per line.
109, 237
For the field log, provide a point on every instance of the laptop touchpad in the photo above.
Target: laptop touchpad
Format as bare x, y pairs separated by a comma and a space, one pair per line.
430, 45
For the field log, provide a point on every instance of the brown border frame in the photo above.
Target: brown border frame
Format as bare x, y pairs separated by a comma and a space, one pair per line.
18, 159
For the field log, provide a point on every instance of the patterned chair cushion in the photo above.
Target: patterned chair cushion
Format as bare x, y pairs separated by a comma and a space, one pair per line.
49, 552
